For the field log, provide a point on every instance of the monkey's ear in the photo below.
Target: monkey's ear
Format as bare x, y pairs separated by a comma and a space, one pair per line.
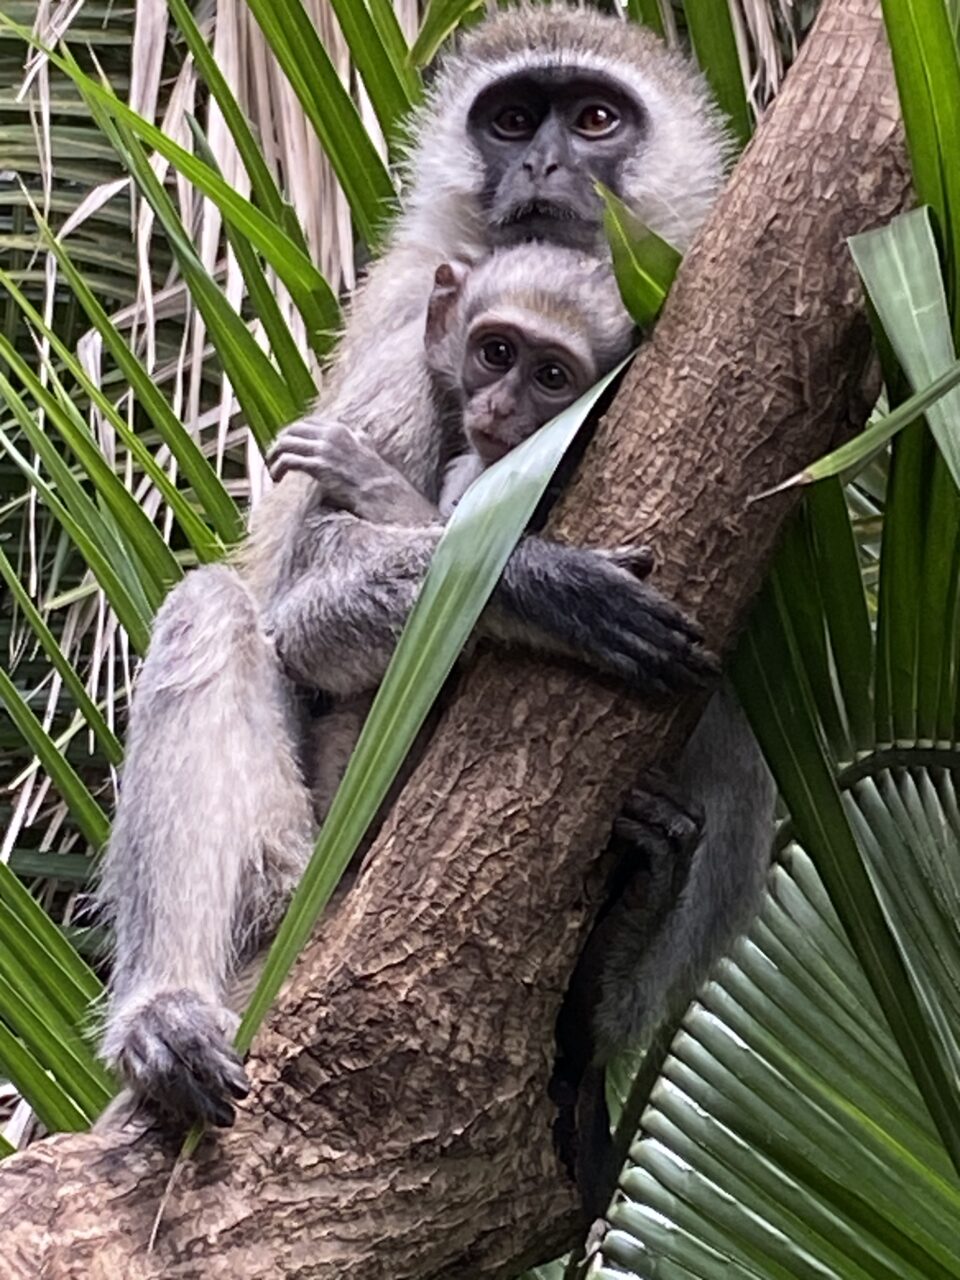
448, 283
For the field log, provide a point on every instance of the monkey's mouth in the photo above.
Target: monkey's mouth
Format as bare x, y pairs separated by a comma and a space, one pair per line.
546, 220
530, 211
490, 447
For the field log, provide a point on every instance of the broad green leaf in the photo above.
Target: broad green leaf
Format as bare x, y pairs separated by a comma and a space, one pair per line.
393, 40
796, 580
308, 289
55, 1109
87, 814
86, 529
936, 674
293, 367
203, 541
440, 20
158, 568
88, 709
330, 109
927, 66
900, 269
899, 596
848, 457
643, 263
216, 502
43, 950
715, 47
836, 568
75, 868
464, 571
52, 1041
6, 1148
649, 13
786, 1137
46, 995
770, 680
389, 90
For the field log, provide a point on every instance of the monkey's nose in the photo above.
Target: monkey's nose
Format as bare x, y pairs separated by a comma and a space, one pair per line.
542, 169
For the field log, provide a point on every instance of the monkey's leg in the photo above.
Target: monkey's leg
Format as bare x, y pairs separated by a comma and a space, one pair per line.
691, 860
648, 979
650, 853
212, 831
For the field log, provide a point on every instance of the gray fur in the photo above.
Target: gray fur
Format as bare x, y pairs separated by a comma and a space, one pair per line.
211, 835
214, 822
656, 959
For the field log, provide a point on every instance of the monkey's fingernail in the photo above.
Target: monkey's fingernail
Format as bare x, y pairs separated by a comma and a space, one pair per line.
642, 561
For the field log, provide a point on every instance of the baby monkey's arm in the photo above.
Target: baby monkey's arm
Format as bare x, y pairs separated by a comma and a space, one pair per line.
351, 474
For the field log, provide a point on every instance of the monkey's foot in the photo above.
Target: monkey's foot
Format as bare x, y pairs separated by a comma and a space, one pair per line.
173, 1050
658, 826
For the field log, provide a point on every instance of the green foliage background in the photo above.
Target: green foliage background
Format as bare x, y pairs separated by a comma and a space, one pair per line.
804, 1119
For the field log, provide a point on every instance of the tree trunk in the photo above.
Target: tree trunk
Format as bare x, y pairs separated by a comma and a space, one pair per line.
399, 1123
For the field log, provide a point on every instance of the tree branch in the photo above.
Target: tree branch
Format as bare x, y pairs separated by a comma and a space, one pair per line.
399, 1122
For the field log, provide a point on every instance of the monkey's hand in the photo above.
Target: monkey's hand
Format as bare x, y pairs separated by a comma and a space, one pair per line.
172, 1048
593, 605
350, 472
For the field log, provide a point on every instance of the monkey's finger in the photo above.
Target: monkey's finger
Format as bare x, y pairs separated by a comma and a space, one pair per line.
669, 664
176, 1056
639, 646
645, 812
637, 620
650, 602
635, 557
310, 459
160, 1076
642, 609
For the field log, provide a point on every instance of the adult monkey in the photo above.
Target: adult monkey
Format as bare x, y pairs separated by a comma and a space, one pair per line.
539, 103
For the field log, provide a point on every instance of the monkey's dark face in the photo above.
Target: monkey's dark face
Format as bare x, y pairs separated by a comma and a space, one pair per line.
513, 381
545, 138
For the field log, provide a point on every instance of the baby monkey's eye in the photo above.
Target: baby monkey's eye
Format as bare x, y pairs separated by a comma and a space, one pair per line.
552, 377
596, 120
513, 122
497, 353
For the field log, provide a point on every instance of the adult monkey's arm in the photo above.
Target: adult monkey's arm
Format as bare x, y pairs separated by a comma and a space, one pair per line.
399, 1123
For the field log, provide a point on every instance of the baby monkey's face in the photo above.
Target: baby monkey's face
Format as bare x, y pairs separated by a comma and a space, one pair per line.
516, 376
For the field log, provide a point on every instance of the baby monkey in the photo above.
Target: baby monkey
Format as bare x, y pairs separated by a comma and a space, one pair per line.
510, 342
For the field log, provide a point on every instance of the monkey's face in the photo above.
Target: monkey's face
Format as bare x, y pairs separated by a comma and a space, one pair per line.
514, 379
545, 136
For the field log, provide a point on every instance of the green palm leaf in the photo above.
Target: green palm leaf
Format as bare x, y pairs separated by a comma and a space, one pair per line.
786, 1136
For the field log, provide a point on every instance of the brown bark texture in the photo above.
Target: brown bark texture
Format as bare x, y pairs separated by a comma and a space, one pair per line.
399, 1124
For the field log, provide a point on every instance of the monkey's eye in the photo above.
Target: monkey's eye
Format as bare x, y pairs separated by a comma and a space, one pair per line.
497, 353
513, 123
553, 377
596, 120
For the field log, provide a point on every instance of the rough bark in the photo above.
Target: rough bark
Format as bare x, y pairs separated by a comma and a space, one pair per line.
399, 1123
